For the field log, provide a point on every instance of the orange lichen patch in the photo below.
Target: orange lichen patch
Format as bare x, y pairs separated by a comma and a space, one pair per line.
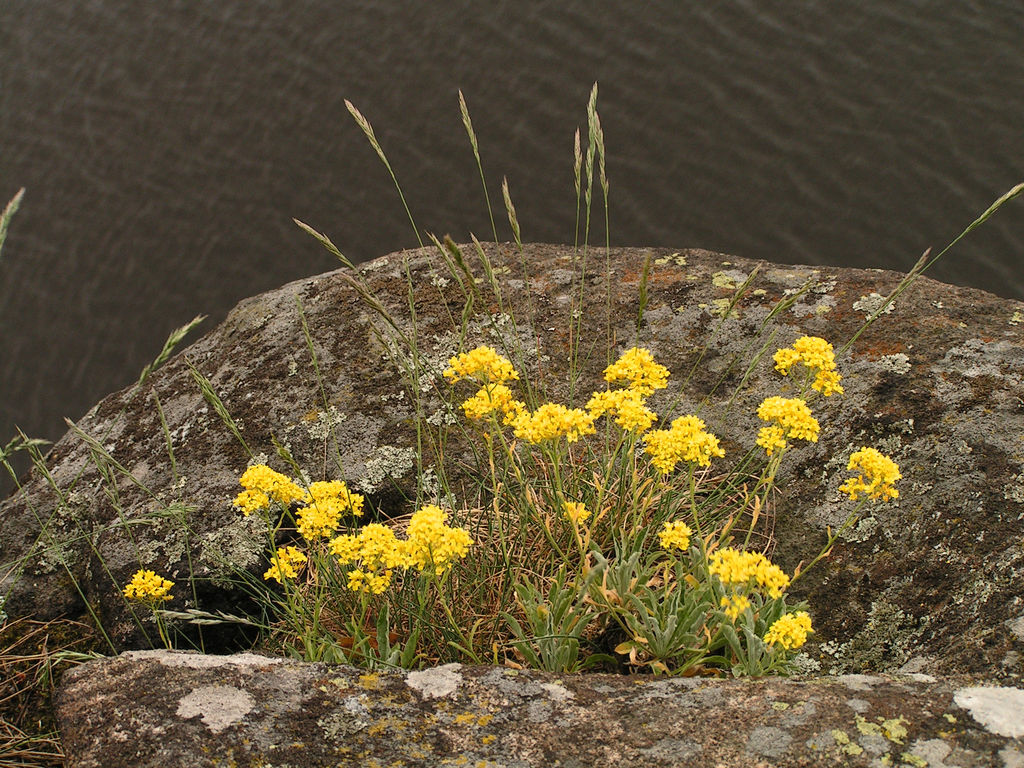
879, 349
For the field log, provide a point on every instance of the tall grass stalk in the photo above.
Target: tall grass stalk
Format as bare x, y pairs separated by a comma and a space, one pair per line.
8, 213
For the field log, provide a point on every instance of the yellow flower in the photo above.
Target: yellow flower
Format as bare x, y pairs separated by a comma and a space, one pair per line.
734, 605
772, 439
628, 407
878, 475
251, 501
827, 382
432, 543
284, 563
492, 398
576, 512
792, 419
147, 587
327, 501
483, 363
551, 421
737, 567
375, 552
687, 440
369, 582
380, 549
261, 479
345, 548
790, 631
637, 366
818, 356
675, 535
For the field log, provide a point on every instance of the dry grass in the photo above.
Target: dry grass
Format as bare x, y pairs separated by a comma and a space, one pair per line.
33, 654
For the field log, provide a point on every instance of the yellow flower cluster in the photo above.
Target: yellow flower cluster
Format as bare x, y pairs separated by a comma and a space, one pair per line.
637, 366
483, 364
734, 605
326, 502
147, 587
551, 421
434, 544
790, 631
262, 486
792, 419
737, 567
376, 551
675, 535
819, 358
687, 440
627, 405
878, 475
576, 512
493, 398
285, 564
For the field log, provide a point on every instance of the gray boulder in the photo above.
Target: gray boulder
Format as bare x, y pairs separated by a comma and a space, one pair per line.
929, 584
154, 709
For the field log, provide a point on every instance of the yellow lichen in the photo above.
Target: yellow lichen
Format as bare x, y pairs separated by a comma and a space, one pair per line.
846, 746
370, 681
894, 730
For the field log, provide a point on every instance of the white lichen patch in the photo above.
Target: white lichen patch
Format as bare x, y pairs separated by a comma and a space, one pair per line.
558, 692
233, 547
388, 461
192, 660
825, 285
443, 416
872, 303
860, 682
1017, 318
1014, 490
437, 682
1011, 757
1017, 627
220, 706
999, 709
898, 364
323, 425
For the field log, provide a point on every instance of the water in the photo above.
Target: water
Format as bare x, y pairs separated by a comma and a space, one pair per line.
165, 148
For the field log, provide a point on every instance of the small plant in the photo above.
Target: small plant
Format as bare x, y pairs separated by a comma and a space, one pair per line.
598, 533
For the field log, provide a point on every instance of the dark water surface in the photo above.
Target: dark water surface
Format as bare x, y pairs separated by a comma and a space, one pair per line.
166, 146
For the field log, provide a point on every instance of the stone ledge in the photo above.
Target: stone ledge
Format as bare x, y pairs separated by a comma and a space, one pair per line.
158, 708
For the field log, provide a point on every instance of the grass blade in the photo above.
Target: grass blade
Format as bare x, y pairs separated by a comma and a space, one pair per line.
173, 340
466, 121
364, 124
8, 214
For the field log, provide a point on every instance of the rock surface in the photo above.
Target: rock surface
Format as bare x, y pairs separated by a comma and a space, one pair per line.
160, 709
930, 584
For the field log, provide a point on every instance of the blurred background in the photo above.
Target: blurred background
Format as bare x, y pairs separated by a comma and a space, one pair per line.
165, 148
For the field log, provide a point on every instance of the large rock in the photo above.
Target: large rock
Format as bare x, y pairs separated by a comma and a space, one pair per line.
930, 584
163, 710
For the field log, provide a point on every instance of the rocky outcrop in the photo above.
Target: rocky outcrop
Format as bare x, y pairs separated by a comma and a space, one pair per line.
930, 584
160, 709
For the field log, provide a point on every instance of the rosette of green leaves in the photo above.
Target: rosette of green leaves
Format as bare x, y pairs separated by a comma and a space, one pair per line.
667, 617
556, 622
